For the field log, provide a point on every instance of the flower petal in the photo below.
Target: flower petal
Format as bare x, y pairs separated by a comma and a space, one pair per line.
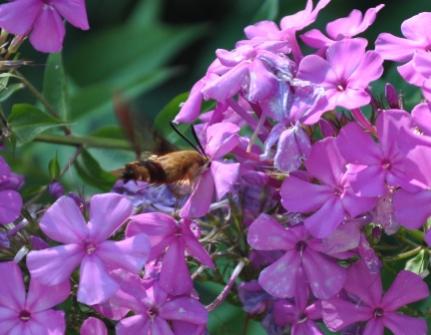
199, 202
95, 284
49, 322
196, 250
408, 287
157, 226
63, 222
224, 175
338, 313
322, 223
356, 146
221, 138
412, 209
107, 213
93, 326
325, 276
130, 254
73, 11
339, 55
280, 278
12, 291
184, 309
53, 266
364, 284
374, 327
10, 206
174, 276
133, 325
17, 17
265, 233
48, 31
8, 319
41, 297
396, 48
295, 190
401, 324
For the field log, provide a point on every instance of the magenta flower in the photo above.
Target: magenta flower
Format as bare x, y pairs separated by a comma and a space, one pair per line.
374, 165
30, 313
299, 316
339, 29
331, 201
93, 326
370, 305
303, 264
86, 245
170, 239
43, 20
417, 38
10, 199
156, 312
345, 73
219, 178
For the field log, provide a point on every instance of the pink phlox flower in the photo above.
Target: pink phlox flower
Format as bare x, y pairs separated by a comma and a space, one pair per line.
10, 199
376, 164
342, 28
219, 177
332, 200
86, 246
43, 20
345, 73
379, 310
170, 240
303, 264
156, 312
255, 300
300, 315
32, 312
93, 326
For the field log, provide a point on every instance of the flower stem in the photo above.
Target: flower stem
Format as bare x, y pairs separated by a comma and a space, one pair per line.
86, 141
224, 293
404, 255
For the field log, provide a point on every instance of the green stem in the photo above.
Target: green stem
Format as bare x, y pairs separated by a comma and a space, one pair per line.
86, 141
404, 255
416, 234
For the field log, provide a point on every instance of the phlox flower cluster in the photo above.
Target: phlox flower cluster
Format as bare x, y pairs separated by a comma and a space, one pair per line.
308, 171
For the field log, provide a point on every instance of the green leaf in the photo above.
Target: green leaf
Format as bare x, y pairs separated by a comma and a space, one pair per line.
55, 86
419, 264
9, 90
91, 172
54, 168
109, 132
27, 121
97, 99
268, 11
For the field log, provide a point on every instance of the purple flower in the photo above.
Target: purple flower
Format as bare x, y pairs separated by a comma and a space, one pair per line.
43, 20
86, 245
303, 263
10, 199
339, 29
379, 310
300, 317
345, 73
253, 298
30, 313
170, 239
331, 201
373, 165
220, 139
93, 326
156, 312
56, 189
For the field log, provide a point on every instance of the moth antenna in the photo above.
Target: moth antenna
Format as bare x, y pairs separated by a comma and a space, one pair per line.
202, 151
198, 148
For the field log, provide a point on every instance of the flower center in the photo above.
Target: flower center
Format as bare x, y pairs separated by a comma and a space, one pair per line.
378, 312
386, 164
301, 246
152, 312
339, 191
25, 316
90, 248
